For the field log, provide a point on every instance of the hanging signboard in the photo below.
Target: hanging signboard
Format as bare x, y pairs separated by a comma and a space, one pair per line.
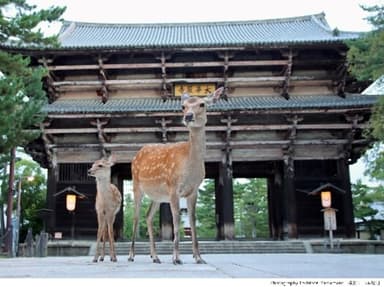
330, 219
197, 90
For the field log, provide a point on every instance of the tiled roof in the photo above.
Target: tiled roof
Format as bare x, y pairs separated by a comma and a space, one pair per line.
296, 30
233, 104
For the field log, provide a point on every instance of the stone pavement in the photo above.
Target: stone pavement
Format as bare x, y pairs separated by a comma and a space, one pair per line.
271, 266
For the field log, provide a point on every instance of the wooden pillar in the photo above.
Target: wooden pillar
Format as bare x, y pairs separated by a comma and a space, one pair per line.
166, 224
345, 183
118, 226
289, 202
224, 204
52, 181
219, 211
275, 205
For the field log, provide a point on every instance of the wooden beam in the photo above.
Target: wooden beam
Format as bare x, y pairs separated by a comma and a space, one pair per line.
103, 91
103, 139
208, 128
167, 65
287, 75
214, 145
47, 142
179, 80
325, 110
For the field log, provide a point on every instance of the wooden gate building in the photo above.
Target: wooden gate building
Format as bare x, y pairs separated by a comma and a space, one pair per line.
293, 114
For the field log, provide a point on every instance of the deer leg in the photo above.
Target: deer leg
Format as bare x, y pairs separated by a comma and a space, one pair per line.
99, 237
191, 205
136, 217
175, 209
103, 238
112, 251
151, 212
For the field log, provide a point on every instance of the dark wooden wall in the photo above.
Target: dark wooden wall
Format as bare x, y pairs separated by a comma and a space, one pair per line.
292, 213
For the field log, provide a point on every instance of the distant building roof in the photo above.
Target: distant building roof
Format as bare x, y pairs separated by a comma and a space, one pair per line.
376, 88
296, 30
233, 104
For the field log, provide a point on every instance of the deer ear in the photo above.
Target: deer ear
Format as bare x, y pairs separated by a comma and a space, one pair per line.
112, 159
214, 97
184, 97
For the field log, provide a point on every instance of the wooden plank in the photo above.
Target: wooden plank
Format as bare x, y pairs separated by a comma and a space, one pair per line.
177, 80
167, 65
212, 145
245, 154
208, 128
278, 111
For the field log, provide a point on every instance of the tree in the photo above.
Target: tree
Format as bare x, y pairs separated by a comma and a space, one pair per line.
366, 63
363, 199
129, 207
366, 54
251, 208
31, 178
21, 92
205, 210
33, 194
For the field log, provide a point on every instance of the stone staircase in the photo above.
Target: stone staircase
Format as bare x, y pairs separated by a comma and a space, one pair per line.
216, 247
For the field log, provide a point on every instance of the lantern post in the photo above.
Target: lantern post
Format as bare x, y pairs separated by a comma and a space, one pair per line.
329, 214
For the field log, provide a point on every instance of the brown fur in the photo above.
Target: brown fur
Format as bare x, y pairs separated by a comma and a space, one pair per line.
107, 205
167, 172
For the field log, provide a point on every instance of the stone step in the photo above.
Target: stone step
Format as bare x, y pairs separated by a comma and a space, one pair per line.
210, 247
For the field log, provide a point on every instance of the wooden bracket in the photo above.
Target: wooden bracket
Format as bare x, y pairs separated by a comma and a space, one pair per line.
47, 139
103, 91
103, 138
165, 89
163, 122
53, 93
354, 120
227, 156
287, 77
340, 83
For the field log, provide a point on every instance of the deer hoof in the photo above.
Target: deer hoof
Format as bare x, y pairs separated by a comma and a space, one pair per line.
156, 260
94, 260
200, 261
114, 259
177, 262
130, 259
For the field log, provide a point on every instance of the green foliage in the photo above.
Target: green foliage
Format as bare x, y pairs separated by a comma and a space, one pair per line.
363, 198
366, 55
21, 93
366, 62
21, 99
205, 210
33, 194
20, 23
251, 208
129, 207
374, 161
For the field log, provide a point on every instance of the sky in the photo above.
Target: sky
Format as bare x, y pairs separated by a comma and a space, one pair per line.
345, 15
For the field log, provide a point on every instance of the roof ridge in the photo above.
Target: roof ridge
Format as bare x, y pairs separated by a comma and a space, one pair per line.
213, 23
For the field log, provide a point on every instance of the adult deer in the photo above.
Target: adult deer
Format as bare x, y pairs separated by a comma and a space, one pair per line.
167, 172
108, 202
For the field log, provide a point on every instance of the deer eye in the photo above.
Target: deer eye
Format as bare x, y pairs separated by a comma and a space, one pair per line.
202, 105
183, 107
100, 165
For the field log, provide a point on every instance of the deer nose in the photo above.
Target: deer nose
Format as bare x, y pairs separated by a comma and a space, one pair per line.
188, 117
